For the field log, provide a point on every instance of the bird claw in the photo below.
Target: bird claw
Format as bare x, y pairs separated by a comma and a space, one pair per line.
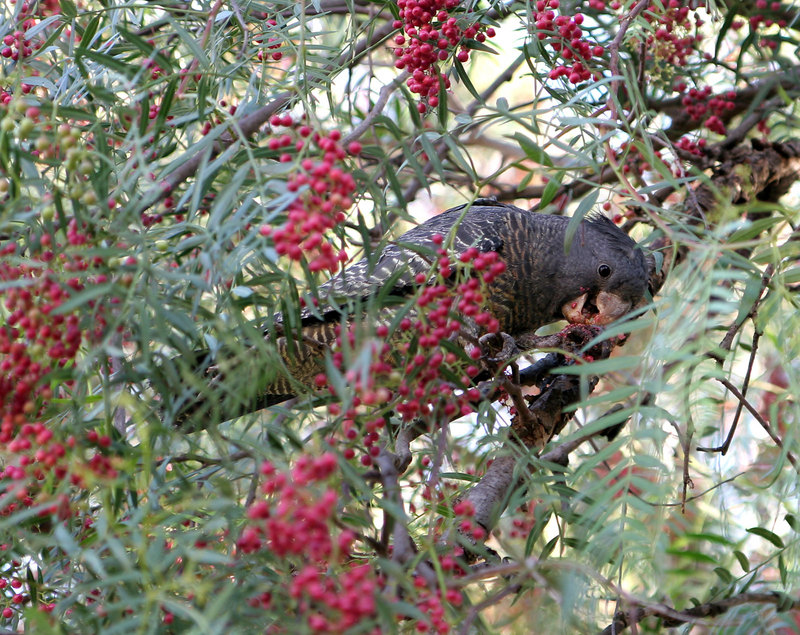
508, 348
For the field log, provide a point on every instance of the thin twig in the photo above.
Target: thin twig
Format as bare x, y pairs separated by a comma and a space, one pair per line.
613, 49
757, 416
723, 449
404, 548
377, 108
475, 609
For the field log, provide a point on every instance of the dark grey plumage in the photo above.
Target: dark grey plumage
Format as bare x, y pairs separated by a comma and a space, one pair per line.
600, 278
540, 278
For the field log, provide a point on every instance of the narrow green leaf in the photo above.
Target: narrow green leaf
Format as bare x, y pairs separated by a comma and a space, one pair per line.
766, 534
432, 154
68, 9
603, 366
112, 63
83, 297
782, 569
550, 190
548, 548
690, 554
585, 205
532, 150
442, 110
89, 33
724, 575
744, 563
463, 76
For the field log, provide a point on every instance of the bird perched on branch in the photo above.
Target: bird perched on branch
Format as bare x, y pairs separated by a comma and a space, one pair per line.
594, 278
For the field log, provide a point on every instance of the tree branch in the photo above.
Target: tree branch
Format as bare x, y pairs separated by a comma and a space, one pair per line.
250, 123
673, 618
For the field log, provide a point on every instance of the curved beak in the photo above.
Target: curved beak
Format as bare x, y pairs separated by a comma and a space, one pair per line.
604, 309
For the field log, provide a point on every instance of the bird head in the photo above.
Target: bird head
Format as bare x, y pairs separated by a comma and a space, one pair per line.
607, 274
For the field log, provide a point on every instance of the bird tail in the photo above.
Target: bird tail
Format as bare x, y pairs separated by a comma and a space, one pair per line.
216, 387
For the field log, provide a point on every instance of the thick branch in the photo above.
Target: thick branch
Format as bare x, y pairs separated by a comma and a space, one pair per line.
673, 618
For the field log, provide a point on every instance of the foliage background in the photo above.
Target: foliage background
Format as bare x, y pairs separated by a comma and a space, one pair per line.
143, 177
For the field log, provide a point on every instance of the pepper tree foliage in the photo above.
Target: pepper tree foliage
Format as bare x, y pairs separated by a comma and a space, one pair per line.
173, 174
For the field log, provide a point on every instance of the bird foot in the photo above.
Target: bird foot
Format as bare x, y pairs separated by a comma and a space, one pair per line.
498, 348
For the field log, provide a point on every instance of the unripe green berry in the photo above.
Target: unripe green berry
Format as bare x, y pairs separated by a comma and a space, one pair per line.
26, 127
48, 213
7, 125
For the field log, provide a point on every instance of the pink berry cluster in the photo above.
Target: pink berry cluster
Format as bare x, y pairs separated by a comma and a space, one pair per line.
672, 42
434, 602
324, 190
36, 340
272, 44
38, 7
432, 605
759, 19
696, 148
564, 35
522, 522
441, 315
18, 45
13, 593
422, 389
700, 105
432, 32
297, 522
464, 511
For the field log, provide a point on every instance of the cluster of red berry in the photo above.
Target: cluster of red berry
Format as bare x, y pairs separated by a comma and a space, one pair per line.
297, 521
272, 43
432, 33
18, 45
37, 339
665, 44
756, 20
433, 608
12, 587
324, 193
416, 349
700, 105
564, 35
693, 147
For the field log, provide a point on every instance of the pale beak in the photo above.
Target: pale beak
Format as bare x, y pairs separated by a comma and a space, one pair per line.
609, 308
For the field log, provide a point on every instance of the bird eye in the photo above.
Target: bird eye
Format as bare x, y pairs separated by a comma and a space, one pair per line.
604, 271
